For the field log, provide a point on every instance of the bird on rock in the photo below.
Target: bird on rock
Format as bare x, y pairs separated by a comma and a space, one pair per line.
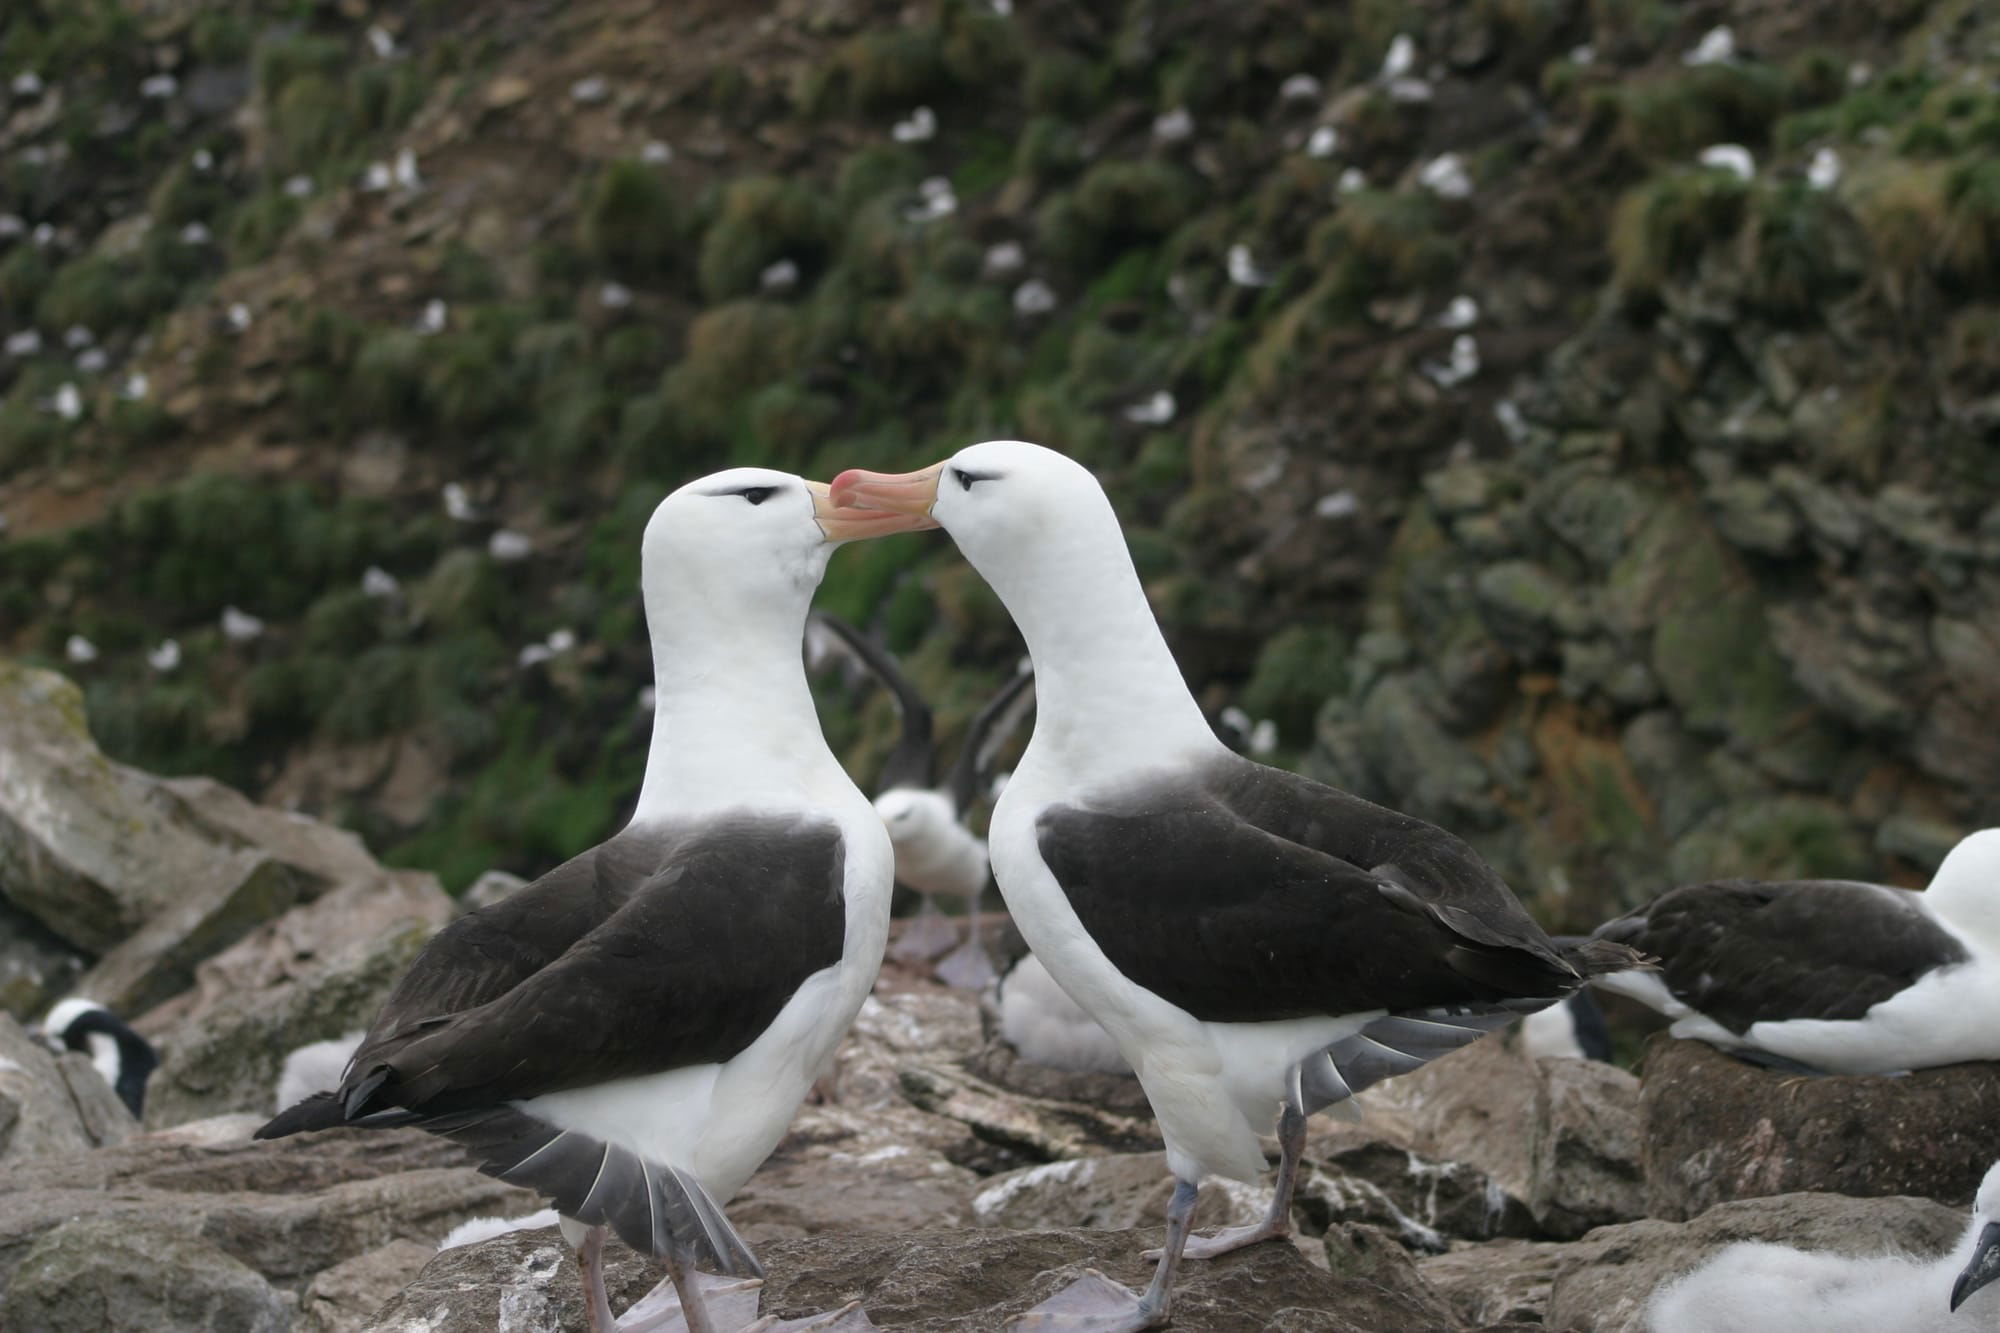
1258, 945
631, 1034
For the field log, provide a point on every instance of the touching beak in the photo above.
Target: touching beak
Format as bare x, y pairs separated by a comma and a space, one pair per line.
909, 493
837, 524
1983, 1268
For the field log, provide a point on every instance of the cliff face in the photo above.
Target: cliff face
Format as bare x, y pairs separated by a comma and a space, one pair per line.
1532, 467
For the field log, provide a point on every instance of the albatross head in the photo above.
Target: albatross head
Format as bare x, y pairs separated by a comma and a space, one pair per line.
1965, 892
1983, 1265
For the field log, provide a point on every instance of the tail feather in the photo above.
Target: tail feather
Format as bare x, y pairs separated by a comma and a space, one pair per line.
1597, 955
322, 1110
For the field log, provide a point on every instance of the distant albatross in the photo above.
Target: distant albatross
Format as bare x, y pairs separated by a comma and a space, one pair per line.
936, 854
1258, 945
1830, 975
631, 1033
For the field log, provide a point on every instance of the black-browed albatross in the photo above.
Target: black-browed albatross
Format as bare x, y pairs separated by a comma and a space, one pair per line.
125, 1059
631, 1033
1260, 946
1829, 975
936, 853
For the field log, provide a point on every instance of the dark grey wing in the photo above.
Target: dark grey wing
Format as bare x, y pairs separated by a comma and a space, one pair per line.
990, 728
913, 763
1190, 897
701, 952
1749, 951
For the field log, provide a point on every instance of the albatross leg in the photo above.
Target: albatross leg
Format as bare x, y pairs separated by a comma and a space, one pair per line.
968, 967
1096, 1304
1278, 1221
689, 1301
849, 1318
925, 935
590, 1259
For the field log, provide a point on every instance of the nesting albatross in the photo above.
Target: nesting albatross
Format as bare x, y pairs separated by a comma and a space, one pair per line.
936, 853
631, 1033
1829, 975
1259, 946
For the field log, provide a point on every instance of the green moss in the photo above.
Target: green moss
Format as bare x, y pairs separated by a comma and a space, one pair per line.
761, 220
1673, 117
787, 422
1062, 84
1969, 242
260, 224
633, 222
1661, 228
886, 70
1300, 668
388, 379
1048, 150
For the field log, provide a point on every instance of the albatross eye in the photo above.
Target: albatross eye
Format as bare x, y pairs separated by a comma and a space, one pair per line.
756, 495
965, 479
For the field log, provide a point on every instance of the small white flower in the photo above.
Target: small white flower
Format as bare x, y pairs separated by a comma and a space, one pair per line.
76, 335
80, 650
1299, 88
1243, 270
1340, 504
1462, 313
779, 277
656, 153
239, 317
1824, 171
405, 170
1733, 158
435, 317
1002, 259
1446, 177
458, 503
159, 86
614, 296
507, 546
1324, 141
166, 657
93, 361
1156, 410
299, 187
378, 582
1173, 126
1034, 297
380, 41
240, 626
590, 90
136, 386
28, 342
1716, 46
196, 233
1401, 57
68, 403
919, 127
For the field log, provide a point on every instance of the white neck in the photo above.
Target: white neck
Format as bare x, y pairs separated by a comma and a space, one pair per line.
1965, 892
733, 720
1109, 697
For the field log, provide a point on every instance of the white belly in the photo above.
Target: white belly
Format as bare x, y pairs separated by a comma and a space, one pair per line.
1945, 1018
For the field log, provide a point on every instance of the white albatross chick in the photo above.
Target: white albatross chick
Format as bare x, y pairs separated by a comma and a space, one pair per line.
1259, 946
315, 1067
1048, 1028
1752, 1287
1733, 158
631, 1034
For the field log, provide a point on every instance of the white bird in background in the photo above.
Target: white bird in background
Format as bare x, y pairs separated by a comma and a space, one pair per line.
1445, 176
1034, 297
28, 342
1157, 409
125, 1059
1823, 173
1733, 158
458, 503
920, 126
508, 546
1462, 313
1299, 88
435, 317
936, 854
1173, 126
166, 657
590, 90
1401, 58
1462, 365
68, 402
1351, 180
377, 177
1752, 1287
196, 233
379, 582
1324, 141
77, 336
656, 153
239, 317
1243, 270
405, 170
159, 86
781, 276
1716, 46
240, 626
614, 296
380, 41
80, 650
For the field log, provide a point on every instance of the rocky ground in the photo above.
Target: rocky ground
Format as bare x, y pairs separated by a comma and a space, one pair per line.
938, 1177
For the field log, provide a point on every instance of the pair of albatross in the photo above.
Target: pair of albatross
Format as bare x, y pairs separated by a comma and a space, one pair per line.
631, 1033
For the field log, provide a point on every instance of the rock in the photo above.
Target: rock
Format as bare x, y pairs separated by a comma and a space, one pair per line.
1750, 513
316, 972
1583, 1147
926, 1282
490, 888
1355, 1176
841, 1169
344, 1298
1498, 1281
1716, 1129
1111, 1193
36, 968
1528, 607
1605, 1280
1367, 1254
50, 1106
116, 1271
1593, 510
1468, 1107
93, 851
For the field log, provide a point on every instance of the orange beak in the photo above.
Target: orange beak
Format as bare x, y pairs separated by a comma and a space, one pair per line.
910, 494
838, 524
